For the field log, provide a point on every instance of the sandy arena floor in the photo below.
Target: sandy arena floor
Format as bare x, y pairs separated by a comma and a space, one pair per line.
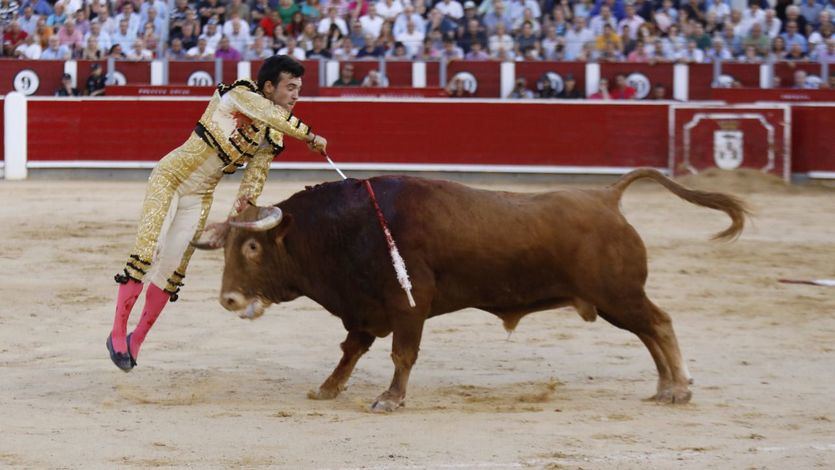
213, 390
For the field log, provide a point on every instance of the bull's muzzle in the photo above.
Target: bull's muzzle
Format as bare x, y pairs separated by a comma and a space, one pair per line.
233, 301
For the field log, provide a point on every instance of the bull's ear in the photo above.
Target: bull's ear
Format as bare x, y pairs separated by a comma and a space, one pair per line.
283, 228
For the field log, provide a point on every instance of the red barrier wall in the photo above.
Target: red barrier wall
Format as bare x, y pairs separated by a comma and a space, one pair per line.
445, 132
812, 133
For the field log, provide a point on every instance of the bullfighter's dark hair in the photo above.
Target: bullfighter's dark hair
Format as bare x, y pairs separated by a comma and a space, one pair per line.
274, 66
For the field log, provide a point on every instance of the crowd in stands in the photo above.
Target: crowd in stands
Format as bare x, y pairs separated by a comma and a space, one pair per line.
505, 30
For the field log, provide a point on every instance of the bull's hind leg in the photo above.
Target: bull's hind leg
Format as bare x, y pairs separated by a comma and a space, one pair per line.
408, 329
355, 345
655, 329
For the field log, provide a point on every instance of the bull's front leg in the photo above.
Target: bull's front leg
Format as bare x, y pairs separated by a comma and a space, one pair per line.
404, 352
355, 345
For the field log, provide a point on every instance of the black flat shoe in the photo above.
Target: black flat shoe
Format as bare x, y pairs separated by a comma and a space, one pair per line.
132, 360
122, 360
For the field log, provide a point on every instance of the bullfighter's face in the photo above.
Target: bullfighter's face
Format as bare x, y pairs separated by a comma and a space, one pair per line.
286, 92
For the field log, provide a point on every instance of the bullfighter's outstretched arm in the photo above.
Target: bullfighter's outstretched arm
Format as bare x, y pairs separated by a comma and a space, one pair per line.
261, 109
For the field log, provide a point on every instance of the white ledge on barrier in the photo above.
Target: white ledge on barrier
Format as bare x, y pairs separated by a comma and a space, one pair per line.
14, 109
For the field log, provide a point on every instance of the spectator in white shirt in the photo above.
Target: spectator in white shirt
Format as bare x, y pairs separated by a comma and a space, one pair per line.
389, 9
631, 20
576, 38
372, 23
332, 18
720, 9
412, 38
212, 34
30, 49
605, 17
201, 51
450, 8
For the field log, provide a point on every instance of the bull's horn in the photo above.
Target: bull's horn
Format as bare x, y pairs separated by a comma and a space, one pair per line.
268, 217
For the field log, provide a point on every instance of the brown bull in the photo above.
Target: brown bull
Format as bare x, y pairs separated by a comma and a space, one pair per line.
507, 253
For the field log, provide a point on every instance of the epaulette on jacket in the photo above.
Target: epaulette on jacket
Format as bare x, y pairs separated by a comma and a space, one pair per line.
223, 88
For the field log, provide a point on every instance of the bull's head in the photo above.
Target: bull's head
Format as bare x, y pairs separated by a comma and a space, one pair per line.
255, 261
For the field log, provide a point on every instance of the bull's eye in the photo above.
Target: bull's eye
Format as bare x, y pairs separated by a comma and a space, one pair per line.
251, 249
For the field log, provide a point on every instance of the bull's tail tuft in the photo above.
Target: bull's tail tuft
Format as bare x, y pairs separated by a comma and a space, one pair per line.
736, 209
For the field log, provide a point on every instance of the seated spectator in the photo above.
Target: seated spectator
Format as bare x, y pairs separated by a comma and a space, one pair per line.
666, 15
569, 89
631, 22
608, 36
639, 53
91, 51
66, 88
96, 80
311, 10
691, 55
116, 52
28, 20
101, 38
209, 10
374, 80
500, 40
225, 51
660, 52
545, 89
201, 51
778, 49
520, 90
345, 50
412, 38
332, 19
720, 10
212, 34
609, 53
526, 39
800, 80
477, 52
257, 50
473, 34
757, 39
319, 50
124, 37
372, 23
826, 53
792, 37
718, 52
438, 22
176, 51
306, 37
457, 88
371, 50
605, 17
793, 15
451, 51
292, 49
30, 49
659, 92
450, 8
13, 37
528, 18
498, 15
602, 91
398, 52
58, 16
796, 54
551, 43
389, 9
346, 76
139, 51
576, 38
750, 56
622, 89
238, 34
55, 51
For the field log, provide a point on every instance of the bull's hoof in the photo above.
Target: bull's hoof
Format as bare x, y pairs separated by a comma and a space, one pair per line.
323, 394
672, 396
385, 403
122, 360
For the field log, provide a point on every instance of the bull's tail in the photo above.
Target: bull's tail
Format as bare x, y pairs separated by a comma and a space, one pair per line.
734, 207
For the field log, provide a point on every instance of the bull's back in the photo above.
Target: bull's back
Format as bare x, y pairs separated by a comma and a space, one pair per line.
504, 249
